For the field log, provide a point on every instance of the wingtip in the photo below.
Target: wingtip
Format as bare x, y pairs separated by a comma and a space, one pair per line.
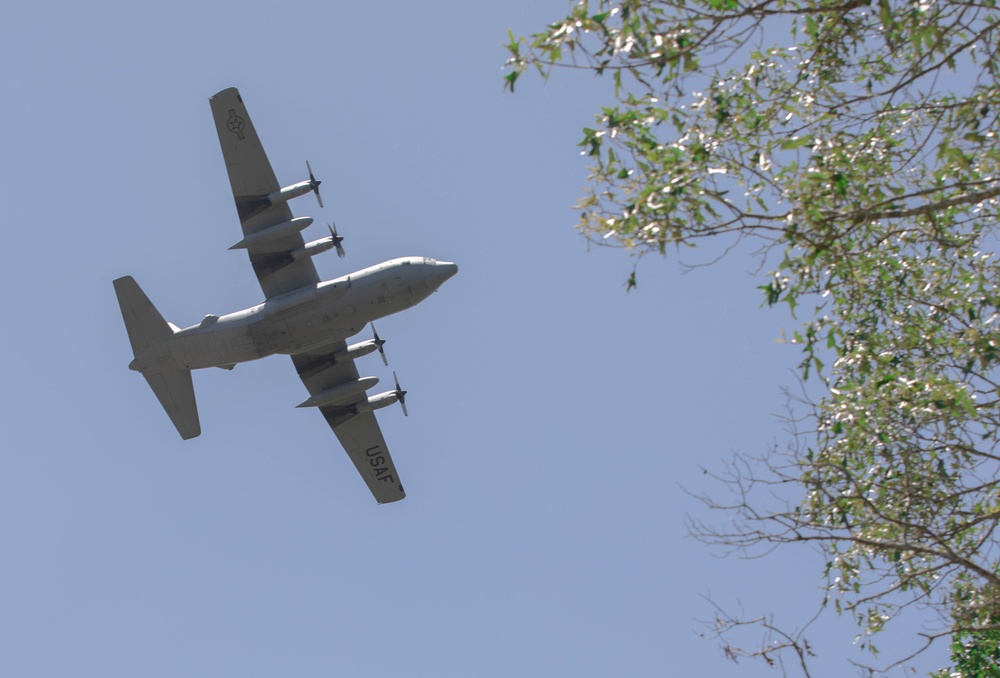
224, 91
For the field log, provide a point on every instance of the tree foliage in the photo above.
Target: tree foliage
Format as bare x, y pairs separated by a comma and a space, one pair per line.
975, 654
856, 140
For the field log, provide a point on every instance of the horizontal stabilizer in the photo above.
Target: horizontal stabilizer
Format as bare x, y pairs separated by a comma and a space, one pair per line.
175, 391
146, 327
143, 322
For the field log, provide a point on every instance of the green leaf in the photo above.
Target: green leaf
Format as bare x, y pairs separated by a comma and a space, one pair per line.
840, 184
511, 78
795, 142
514, 46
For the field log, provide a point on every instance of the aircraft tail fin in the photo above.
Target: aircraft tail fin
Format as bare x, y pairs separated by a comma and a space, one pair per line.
146, 327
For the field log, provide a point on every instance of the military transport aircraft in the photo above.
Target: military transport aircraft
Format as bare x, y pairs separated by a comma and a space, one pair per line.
301, 315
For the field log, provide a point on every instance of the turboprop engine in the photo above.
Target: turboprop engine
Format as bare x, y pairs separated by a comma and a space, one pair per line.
356, 350
311, 249
295, 190
363, 348
380, 400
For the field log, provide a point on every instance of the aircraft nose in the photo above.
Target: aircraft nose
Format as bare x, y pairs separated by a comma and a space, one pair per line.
442, 271
449, 269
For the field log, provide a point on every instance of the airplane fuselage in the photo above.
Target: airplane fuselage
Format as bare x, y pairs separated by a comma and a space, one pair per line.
301, 321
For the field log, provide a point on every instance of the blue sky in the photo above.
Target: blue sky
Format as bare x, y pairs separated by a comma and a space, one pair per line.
553, 418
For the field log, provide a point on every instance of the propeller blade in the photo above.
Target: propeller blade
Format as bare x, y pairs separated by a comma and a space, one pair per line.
336, 239
314, 184
401, 394
380, 343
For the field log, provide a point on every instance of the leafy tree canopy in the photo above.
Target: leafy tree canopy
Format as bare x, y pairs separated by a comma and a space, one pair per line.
857, 142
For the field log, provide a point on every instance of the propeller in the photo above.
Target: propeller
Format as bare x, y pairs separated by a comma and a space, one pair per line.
380, 343
314, 184
400, 394
337, 239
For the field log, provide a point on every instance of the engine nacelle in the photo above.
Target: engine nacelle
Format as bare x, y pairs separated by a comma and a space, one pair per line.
311, 249
356, 350
341, 393
288, 192
377, 402
261, 239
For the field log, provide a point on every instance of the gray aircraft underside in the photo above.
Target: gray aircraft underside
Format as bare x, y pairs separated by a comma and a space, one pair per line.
302, 316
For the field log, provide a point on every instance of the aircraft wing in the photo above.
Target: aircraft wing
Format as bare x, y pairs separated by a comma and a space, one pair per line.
252, 180
358, 433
